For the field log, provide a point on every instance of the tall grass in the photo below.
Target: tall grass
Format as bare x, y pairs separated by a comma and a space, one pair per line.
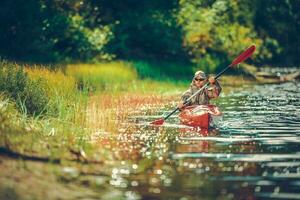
56, 79
108, 111
75, 114
112, 76
30, 95
61, 89
129, 76
51, 133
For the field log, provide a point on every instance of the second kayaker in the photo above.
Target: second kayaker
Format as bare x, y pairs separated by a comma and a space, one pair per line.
205, 95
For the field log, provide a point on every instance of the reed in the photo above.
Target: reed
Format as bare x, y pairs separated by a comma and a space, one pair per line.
65, 99
56, 80
107, 112
111, 76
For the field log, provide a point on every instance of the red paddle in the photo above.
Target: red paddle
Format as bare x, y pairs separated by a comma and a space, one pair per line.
242, 57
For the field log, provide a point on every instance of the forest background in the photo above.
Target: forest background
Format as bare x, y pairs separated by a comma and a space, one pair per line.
207, 33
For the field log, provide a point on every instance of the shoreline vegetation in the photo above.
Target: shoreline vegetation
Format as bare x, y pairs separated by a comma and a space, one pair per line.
70, 117
78, 100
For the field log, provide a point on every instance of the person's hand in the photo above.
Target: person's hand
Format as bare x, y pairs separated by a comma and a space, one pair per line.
212, 80
180, 105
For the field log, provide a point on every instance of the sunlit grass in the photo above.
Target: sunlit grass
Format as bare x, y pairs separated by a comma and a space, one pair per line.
65, 99
104, 76
56, 80
107, 111
109, 108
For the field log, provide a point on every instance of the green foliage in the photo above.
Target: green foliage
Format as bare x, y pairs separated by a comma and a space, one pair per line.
210, 63
30, 96
78, 41
143, 30
216, 30
51, 31
161, 70
201, 31
278, 23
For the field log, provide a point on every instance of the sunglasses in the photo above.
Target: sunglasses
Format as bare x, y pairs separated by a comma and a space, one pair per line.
199, 79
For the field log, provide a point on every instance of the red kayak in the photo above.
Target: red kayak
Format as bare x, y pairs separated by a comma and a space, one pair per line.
199, 115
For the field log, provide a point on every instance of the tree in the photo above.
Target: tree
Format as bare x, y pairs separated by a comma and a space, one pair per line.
143, 29
278, 23
215, 31
51, 30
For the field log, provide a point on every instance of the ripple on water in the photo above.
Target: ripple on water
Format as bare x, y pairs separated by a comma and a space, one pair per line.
268, 116
255, 151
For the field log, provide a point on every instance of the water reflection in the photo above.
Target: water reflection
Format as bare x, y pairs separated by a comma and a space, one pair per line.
253, 154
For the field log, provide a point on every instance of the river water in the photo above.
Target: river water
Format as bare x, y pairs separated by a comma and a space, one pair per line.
253, 153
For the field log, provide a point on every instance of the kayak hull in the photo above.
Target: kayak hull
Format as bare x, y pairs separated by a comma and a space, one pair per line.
199, 115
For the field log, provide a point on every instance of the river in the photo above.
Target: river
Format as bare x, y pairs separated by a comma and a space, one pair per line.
253, 153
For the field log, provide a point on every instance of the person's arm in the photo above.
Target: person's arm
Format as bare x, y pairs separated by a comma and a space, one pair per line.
184, 97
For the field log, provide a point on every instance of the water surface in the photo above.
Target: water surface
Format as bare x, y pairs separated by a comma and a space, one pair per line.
254, 153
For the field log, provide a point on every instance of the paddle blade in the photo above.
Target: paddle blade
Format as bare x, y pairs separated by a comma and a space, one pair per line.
158, 122
243, 56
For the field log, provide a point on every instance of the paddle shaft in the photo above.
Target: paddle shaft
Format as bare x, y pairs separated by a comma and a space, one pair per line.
196, 93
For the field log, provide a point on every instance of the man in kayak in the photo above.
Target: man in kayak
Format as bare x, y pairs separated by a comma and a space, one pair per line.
205, 95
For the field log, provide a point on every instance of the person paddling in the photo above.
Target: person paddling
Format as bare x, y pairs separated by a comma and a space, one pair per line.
197, 97
199, 80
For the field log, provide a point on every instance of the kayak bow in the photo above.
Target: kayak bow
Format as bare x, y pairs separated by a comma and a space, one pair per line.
199, 115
